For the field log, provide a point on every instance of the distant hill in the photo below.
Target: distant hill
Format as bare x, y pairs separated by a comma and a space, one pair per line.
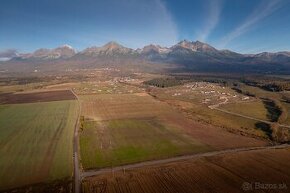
185, 56
111, 49
64, 51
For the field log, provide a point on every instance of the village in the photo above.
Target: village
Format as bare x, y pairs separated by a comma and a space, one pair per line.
206, 93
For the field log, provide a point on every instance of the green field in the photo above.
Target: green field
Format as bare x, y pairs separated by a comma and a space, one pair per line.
258, 92
36, 139
198, 111
218, 118
254, 109
128, 128
260, 107
123, 141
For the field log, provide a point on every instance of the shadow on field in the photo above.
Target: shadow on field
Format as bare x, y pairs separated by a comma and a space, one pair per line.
264, 127
273, 112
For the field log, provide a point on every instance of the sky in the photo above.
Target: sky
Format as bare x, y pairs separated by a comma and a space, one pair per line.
245, 26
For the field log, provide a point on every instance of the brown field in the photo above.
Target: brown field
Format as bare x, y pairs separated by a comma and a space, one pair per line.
120, 106
123, 106
213, 136
64, 186
221, 173
58, 95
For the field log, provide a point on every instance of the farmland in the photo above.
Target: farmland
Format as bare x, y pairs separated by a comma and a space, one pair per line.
231, 172
254, 109
144, 96
131, 140
45, 96
124, 121
202, 100
119, 106
119, 129
36, 139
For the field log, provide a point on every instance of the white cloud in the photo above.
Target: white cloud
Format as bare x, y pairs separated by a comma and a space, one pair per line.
168, 31
266, 8
133, 23
211, 20
8, 53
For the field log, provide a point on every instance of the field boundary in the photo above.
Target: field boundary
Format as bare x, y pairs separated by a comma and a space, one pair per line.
91, 173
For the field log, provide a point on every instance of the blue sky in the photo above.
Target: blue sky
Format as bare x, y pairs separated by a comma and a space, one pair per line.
246, 26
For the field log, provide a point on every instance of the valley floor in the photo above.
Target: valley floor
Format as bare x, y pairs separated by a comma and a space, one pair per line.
131, 137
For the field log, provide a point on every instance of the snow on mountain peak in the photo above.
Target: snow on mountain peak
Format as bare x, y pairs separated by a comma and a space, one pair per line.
67, 46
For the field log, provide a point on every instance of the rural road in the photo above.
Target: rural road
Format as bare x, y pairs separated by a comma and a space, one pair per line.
77, 171
180, 158
79, 175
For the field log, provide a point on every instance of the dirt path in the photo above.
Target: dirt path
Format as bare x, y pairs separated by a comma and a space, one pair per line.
180, 158
217, 105
77, 172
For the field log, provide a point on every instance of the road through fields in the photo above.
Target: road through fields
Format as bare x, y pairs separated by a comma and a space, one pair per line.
179, 158
77, 172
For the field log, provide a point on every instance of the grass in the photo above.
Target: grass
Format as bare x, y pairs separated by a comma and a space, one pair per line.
127, 128
257, 108
254, 109
199, 111
118, 142
258, 92
227, 120
36, 139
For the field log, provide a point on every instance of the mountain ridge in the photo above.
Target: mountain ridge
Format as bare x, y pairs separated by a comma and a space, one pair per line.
190, 55
112, 47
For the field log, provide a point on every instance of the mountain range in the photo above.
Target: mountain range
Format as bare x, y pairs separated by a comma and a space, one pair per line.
186, 55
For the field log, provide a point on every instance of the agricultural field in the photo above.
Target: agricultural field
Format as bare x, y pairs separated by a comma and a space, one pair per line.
254, 109
118, 129
31, 97
232, 123
202, 100
122, 121
122, 129
112, 86
36, 139
27, 84
260, 93
118, 142
233, 172
120, 106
